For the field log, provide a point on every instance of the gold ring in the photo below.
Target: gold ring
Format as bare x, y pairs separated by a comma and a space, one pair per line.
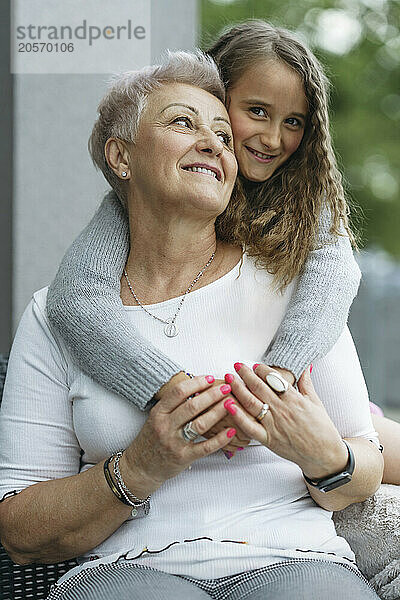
264, 410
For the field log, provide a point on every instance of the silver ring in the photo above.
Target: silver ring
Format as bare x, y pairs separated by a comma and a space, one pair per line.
189, 434
276, 382
264, 410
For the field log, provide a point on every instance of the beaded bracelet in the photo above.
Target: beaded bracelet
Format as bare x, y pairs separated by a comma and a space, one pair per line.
131, 498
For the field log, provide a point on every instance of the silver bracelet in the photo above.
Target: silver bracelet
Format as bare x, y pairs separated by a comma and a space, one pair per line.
125, 491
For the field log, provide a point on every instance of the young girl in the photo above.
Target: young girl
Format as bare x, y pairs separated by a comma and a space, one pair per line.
277, 103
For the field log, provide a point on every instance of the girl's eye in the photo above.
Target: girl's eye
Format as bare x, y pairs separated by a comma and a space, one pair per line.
257, 110
293, 122
225, 137
183, 120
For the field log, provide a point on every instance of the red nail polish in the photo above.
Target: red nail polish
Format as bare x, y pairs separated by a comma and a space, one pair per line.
231, 433
230, 406
311, 368
210, 379
240, 448
229, 378
228, 454
238, 366
255, 366
225, 389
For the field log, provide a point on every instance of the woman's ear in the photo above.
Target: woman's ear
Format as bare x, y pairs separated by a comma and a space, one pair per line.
117, 157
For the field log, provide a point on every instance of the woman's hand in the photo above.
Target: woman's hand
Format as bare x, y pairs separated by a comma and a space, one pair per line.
288, 375
160, 452
296, 426
240, 440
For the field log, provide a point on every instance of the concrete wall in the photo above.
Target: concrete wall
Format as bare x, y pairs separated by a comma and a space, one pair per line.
56, 189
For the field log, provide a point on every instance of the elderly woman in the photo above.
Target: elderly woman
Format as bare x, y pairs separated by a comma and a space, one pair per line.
152, 508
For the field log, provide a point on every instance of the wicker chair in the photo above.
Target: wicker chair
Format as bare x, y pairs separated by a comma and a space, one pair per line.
31, 581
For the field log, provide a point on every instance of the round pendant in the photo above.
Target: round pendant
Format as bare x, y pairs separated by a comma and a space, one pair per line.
171, 329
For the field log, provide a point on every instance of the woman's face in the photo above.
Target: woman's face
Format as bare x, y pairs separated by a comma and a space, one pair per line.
268, 112
183, 153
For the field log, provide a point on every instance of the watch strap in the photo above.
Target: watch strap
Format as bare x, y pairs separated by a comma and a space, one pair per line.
326, 484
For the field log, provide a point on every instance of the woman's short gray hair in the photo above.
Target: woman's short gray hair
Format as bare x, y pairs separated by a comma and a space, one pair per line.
122, 106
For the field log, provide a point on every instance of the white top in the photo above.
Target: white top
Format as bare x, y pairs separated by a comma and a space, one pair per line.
51, 411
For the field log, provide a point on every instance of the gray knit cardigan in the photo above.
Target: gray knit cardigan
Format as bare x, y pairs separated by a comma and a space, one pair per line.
84, 306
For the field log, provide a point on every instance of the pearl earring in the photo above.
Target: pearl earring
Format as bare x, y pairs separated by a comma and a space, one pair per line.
124, 173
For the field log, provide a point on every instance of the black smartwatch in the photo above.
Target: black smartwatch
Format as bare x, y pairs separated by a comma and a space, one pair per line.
334, 481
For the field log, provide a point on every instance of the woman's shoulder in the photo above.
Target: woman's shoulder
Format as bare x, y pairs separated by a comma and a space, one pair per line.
258, 273
35, 326
36, 309
40, 297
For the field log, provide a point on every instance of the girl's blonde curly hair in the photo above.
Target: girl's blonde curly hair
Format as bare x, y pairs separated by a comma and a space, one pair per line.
277, 221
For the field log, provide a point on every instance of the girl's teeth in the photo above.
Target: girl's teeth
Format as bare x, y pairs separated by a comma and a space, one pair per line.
260, 155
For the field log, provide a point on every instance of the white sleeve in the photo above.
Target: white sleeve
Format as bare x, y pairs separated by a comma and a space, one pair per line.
340, 384
37, 439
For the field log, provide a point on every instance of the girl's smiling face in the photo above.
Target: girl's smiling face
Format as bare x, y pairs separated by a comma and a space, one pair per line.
268, 112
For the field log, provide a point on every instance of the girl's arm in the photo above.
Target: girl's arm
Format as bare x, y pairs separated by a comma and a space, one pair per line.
389, 435
318, 310
84, 306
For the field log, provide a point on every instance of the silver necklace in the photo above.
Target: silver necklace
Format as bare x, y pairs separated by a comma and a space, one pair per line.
170, 329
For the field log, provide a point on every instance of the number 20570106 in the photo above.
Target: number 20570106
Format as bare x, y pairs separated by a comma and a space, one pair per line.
45, 47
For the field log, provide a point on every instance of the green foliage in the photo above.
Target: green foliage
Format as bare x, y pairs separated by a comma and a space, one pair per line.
358, 41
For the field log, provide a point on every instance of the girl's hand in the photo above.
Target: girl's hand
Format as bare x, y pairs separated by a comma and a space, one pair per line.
296, 426
160, 452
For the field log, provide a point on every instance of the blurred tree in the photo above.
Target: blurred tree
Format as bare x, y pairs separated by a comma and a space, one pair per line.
358, 41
